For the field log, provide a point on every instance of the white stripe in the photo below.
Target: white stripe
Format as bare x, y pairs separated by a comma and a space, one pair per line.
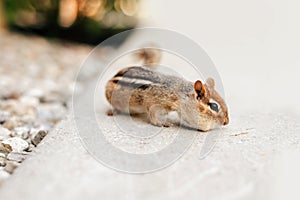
133, 81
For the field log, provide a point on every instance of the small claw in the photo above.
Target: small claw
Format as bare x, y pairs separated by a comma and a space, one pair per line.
167, 124
111, 112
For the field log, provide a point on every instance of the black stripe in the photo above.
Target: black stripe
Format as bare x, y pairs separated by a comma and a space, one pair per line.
127, 74
132, 85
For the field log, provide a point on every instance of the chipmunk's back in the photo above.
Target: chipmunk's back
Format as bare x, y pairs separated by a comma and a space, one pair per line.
133, 89
144, 77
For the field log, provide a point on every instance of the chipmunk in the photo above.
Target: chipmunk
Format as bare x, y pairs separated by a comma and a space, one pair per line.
142, 90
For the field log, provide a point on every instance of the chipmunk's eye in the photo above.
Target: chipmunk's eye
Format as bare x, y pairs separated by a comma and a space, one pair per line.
214, 107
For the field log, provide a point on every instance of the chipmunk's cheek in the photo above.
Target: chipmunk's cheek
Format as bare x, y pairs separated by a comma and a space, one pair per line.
205, 128
209, 125
214, 125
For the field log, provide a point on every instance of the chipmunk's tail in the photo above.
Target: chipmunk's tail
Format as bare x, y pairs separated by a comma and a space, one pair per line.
149, 56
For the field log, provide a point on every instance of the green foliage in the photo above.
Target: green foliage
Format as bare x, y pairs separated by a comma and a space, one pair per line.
42, 17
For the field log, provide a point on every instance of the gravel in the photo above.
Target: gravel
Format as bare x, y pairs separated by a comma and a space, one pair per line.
4, 133
18, 157
16, 144
36, 82
38, 136
2, 162
11, 166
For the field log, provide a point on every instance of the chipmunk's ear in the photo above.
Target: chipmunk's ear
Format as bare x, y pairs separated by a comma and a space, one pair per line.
199, 89
210, 82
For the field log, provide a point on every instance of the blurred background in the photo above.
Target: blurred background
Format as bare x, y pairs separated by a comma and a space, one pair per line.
86, 21
258, 38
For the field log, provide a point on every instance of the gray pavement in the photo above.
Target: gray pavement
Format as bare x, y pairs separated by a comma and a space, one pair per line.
239, 167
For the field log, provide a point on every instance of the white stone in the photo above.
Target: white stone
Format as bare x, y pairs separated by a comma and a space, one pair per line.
32, 101
17, 144
22, 132
4, 132
4, 115
2, 162
11, 166
18, 157
35, 93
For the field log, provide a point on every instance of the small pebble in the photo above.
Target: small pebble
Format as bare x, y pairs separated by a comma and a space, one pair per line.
30, 148
17, 144
30, 101
18, 157
37, 138
10, 124
4, 132
5, 148
17, 108
11, 166
2, 162
4, 116
22, 132
37, 93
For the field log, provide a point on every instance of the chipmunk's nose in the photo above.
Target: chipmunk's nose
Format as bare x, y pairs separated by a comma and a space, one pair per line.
226, 121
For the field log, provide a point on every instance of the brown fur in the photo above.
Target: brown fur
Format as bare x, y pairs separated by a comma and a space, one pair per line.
149, 56
158, 99
137, 90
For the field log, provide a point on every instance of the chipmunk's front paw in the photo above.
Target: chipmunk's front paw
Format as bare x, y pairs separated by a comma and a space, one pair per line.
111, 112
155, 114
167, 124
161, 124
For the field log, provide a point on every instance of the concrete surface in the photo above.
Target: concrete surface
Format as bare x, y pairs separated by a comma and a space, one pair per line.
239, 167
